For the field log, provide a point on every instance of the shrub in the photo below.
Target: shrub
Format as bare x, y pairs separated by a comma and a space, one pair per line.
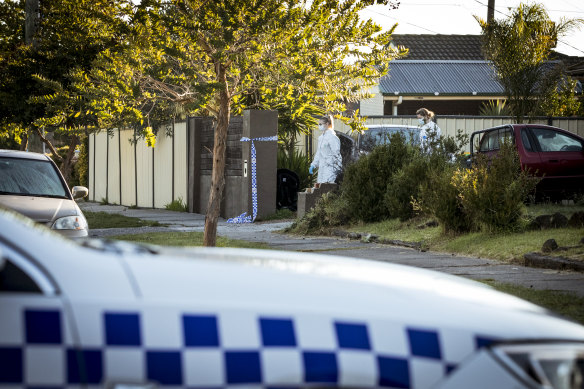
365, 181
495, 108
330, 210
488, 197
439, 198
9, 141
82, 166
422, 169
177, 205
494, 191
404, 186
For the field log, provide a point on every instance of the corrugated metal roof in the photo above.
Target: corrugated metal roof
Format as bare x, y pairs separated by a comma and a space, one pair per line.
408, 77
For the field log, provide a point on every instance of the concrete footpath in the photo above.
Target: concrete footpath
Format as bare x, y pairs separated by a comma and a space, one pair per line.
270, 233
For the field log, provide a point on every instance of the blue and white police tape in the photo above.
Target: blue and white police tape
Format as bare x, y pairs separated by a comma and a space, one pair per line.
244, 218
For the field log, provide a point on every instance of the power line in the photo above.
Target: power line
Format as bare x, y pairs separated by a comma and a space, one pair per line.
569, 45
559, 40
485, 5
397, 20
566, 11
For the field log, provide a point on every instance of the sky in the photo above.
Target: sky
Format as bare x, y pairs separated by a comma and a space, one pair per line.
456, 17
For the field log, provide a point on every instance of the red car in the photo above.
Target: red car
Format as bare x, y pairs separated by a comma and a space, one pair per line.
554, 154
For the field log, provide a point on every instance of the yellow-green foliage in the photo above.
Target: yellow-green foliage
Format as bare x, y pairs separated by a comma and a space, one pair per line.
493, 192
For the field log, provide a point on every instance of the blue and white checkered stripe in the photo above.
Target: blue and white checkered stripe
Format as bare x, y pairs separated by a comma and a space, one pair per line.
203, 349
244, 218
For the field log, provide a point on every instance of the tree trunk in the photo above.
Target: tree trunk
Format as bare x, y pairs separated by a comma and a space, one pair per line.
49, 145
218, 173
24, 141
67, 164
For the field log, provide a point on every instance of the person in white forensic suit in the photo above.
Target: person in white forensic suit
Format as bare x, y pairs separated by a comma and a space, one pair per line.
429, 130
327, 159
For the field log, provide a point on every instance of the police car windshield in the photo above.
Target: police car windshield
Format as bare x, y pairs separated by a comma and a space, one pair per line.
27, 177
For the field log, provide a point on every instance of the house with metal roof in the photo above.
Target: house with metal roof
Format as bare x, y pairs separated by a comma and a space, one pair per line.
447, 74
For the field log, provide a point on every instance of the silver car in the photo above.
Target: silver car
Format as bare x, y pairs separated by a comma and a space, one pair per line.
379, 134
31, 184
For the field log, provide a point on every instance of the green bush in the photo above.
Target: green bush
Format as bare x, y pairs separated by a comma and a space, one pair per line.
82, 166
439, 198
9, 142
330, 210
417, 171
177, 205
404, 186
365, 181
299, 164
489, 197
494, 191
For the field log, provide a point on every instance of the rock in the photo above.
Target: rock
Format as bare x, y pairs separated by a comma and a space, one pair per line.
431, 223
576, 220
541, 222
340, 233
549, 246
369, 238
543, 261
558, 220
354, 235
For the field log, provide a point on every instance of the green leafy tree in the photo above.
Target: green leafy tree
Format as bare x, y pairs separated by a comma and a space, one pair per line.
223, 57
38, 80
561, 99
519, 48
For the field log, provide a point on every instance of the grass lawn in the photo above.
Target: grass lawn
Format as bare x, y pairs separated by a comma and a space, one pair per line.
565, 304
508, 247
186, 239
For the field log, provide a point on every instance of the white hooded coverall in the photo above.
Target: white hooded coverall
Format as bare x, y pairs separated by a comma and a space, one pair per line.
425, 132
328, 157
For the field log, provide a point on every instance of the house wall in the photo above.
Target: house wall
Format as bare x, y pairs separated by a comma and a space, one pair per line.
441, 107
374, 105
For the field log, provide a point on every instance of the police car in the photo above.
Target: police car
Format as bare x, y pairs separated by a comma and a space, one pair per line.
115, 315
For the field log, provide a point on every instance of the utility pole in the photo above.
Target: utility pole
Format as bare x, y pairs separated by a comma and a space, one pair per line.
31, 24
491, 11
31, 9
